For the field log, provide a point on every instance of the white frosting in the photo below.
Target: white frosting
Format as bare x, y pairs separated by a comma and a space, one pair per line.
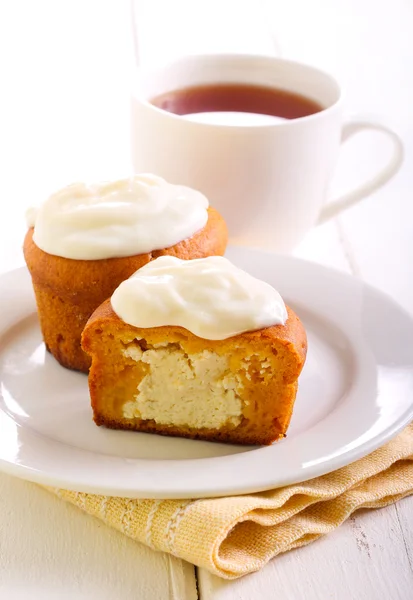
208, 296
120, 218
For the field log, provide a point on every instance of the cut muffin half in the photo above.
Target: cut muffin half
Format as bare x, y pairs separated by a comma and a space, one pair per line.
167, 380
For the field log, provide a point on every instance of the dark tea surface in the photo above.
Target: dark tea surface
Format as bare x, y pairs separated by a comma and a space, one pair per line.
237, 97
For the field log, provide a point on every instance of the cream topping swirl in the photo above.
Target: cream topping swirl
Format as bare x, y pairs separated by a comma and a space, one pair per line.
119, 218
210, 297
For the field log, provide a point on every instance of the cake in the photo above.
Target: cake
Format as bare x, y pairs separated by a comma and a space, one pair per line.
218, 358
87, 239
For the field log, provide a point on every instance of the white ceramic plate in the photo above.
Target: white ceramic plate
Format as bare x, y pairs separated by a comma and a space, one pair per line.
356, 392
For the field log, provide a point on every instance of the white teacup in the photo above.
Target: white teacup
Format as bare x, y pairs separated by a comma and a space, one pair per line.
268, 180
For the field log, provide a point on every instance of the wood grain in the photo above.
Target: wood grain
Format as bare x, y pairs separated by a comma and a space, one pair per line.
50, 549
404, 512
362, 560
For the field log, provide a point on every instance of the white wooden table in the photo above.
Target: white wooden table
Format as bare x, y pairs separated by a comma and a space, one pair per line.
64, 116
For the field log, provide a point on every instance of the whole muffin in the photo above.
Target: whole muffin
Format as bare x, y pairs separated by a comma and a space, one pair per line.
85, 240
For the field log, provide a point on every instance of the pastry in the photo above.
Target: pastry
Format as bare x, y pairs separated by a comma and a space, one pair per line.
197, 349
87, 239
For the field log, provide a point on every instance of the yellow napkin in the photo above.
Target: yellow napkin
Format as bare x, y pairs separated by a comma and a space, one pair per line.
234, 536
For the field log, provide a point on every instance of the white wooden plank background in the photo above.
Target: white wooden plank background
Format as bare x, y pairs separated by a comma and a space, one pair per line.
64, 115
50, 550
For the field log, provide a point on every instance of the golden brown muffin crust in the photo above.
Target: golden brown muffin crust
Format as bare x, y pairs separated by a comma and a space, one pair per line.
292, 333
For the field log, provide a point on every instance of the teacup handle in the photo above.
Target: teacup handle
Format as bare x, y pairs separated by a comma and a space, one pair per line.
350, 198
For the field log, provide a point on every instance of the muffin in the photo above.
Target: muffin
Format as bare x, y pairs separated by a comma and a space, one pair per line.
199, 350
84, 241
